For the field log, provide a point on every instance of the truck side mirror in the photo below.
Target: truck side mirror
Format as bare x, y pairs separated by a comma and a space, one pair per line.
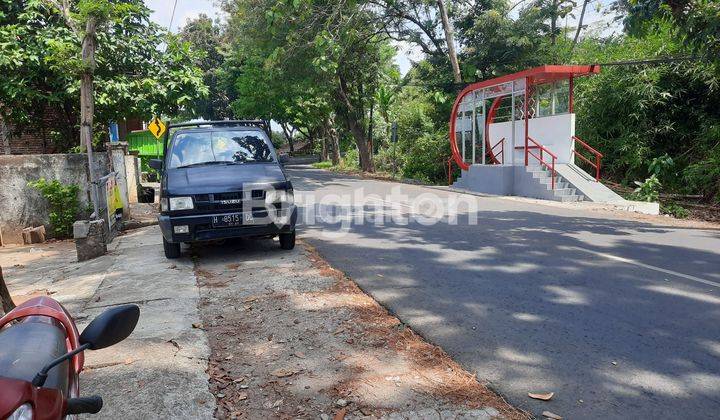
156, 164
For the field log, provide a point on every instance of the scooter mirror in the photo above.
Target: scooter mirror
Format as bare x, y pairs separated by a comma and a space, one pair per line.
110, 327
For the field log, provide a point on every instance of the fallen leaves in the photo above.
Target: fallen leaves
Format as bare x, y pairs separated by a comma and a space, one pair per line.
551, 415
340, 415
544, 396
284, 372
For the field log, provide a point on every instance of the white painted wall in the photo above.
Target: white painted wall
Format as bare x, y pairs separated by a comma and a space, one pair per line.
554, 132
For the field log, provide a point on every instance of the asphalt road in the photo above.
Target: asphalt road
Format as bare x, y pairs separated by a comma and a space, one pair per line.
619, 318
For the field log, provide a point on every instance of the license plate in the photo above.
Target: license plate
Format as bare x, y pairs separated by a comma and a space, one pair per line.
230, 220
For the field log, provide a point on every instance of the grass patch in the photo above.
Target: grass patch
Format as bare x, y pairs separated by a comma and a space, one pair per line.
322, 165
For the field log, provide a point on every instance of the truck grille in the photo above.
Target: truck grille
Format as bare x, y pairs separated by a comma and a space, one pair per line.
227, 201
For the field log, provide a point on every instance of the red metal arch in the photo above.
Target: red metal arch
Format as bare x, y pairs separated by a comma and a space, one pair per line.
542, 74
488, 120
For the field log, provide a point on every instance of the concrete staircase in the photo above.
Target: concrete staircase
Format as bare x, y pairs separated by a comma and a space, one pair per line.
572, 184
536, 182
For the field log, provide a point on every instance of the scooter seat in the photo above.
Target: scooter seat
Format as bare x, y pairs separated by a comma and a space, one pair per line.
28, 346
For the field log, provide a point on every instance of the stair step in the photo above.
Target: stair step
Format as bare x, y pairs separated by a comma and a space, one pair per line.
547, 181
564, 191
568, 198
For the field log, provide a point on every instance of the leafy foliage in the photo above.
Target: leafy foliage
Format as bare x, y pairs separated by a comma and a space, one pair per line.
64, 204
40, 62
648, 190
206, 38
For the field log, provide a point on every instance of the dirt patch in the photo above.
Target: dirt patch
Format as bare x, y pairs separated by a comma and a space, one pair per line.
291, 337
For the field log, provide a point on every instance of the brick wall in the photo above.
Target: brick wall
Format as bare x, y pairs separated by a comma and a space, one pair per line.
33, 140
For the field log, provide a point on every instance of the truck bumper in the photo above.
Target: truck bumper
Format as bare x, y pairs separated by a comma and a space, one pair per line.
200, 228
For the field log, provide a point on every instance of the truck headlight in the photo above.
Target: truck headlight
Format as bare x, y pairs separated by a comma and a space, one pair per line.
281, 196
181, 203
24, 412
164, 206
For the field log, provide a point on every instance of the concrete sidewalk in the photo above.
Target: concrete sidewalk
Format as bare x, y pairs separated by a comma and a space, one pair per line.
159, 371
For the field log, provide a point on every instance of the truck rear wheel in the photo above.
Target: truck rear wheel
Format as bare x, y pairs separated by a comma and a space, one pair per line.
287, 240
172, 251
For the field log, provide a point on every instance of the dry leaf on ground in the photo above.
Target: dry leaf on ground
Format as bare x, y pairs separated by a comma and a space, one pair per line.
283, 373
551, 415
340, 415
544, 396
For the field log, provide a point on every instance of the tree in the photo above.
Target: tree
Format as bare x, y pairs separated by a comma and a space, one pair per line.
580, 23
206, 37
41, 64
83, 23
309, 60
697, 21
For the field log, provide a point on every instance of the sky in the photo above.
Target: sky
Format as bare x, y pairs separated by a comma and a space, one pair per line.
189, 9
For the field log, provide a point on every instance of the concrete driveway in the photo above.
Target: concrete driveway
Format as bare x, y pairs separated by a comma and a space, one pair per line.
159, 371
619, 318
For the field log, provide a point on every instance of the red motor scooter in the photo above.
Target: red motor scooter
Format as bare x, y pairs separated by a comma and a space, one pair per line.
41, 356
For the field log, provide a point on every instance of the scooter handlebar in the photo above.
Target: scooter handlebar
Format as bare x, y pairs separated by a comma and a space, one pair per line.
84, 405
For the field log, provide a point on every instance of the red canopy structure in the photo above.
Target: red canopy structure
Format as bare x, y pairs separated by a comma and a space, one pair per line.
545, 91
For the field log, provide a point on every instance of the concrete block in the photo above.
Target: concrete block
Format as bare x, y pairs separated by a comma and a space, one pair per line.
33, 235
90, 239
81, 228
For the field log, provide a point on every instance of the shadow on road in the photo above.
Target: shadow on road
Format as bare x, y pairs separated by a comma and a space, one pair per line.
541, 299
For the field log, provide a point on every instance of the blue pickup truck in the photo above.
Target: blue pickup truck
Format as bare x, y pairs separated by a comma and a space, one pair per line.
223, 179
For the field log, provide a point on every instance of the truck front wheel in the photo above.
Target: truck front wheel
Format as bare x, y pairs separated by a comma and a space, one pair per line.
287, 240
172, 251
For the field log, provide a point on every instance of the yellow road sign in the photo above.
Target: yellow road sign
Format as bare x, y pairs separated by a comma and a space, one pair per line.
157, 127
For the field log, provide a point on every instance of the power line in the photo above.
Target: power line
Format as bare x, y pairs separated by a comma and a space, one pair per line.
662, 60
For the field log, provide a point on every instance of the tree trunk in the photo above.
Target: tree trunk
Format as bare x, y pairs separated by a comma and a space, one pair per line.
325, 146
371, 142
4, 137
5, 299
87, 106
449, 38
354, 124
580, 23
553, 22
288, 136
333, 141
87, 100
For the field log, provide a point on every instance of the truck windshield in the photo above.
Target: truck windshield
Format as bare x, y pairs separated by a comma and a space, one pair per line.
219, 147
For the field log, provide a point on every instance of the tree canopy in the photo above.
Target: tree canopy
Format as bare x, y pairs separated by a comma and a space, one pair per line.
141, 69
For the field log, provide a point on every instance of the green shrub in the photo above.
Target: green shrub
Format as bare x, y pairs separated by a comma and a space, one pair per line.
64, 205
426, 159
675, 210
351, 160
649, 190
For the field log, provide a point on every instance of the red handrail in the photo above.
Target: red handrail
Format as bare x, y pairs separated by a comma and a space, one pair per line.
540, 158
494, 155
598, 156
